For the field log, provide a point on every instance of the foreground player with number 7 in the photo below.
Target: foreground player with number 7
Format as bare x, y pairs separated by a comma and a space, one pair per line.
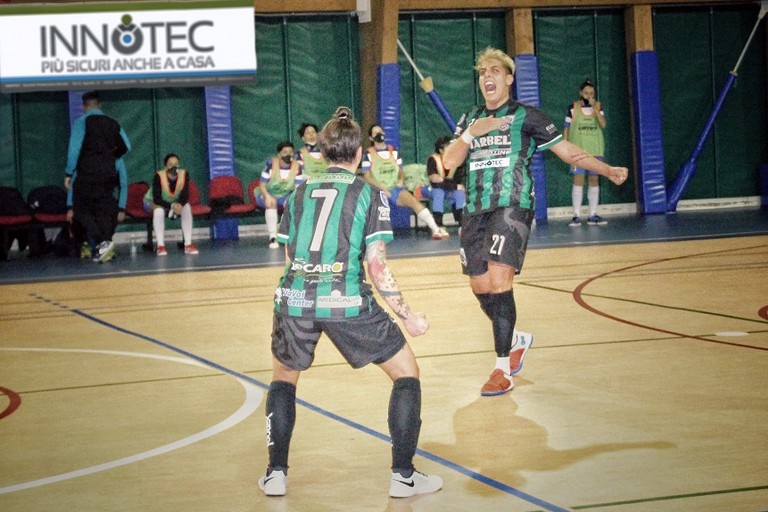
330, 225
498, 140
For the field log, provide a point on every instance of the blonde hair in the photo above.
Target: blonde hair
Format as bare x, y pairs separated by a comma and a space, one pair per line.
496, 54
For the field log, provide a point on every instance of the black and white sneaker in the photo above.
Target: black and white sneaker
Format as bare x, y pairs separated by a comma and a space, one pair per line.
596, 220
417, 483
273, 483
106, 251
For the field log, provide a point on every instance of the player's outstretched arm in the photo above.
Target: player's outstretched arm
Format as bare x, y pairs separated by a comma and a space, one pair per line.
572, 154
382, 278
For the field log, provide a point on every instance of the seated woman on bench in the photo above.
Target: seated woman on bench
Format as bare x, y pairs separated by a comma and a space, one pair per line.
169, 197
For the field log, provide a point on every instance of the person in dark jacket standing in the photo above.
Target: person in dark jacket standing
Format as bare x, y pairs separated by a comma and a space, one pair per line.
94, 169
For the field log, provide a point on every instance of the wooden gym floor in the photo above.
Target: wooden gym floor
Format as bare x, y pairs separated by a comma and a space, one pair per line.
646, 388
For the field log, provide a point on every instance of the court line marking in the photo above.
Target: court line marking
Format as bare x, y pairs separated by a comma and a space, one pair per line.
671, 497
253, 398
578, 297
14, 401
357, 426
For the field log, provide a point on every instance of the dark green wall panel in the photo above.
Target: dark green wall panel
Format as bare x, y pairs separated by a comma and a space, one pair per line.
42, 135
320, 81
259, 110
133, 109
444, 48
686, 93
156, 121
7, 142
697, 48
572, 46
306, 68
181, 129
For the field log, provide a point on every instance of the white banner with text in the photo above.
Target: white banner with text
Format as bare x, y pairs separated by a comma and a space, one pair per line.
126, 45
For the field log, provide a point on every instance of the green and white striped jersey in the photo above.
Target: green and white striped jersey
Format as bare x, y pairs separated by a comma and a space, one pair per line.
327, 224
498, 163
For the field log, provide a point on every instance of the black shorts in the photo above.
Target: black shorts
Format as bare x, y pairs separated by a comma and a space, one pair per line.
499, 235
371, 337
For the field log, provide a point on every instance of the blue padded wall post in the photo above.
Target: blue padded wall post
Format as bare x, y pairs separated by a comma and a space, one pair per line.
388, 117
527, 91
646, 93
388, 102
75, 99
221, 152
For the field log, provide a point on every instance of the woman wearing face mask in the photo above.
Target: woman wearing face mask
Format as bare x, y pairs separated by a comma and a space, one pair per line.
312, 161
279, 177
383, 169
584, 125
169, 197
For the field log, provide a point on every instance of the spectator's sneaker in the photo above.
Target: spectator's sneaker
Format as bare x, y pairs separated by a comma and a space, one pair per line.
273, 483
440, 233
596, 220
273, 244
417, 483
106, 251
575, 222
191, 249
85, 251
523, 342
498, 384
162, 251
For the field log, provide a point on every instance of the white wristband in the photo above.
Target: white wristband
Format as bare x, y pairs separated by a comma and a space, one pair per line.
467, 137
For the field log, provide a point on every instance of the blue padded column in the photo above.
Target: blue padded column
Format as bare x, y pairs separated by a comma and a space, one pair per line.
646, 93
388, 116
221, 150
388, 102
75, 99
527, 91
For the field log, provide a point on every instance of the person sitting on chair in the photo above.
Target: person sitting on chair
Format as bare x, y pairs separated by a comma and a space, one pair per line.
169, 197
444, 184
312, 161
279, 177
383, 169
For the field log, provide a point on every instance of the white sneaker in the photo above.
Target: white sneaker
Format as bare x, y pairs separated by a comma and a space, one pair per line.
273, 244
440, 234
417, 483
273, 483
106, 251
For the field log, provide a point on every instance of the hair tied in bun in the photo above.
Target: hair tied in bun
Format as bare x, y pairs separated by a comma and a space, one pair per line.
343, 113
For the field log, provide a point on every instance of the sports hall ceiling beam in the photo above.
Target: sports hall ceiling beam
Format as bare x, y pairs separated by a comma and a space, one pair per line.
317, 6
454, 5
303, 6
308, 6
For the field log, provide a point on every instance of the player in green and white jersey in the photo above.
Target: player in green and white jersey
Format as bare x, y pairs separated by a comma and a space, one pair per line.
331, 224
498, 140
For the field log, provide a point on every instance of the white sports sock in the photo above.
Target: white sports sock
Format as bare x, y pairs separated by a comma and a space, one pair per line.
593, 196
426, 217
158, 224
186, 223
502, 363
270, 217
577, 194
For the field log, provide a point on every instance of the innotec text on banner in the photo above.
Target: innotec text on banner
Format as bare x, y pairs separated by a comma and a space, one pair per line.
111, 46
